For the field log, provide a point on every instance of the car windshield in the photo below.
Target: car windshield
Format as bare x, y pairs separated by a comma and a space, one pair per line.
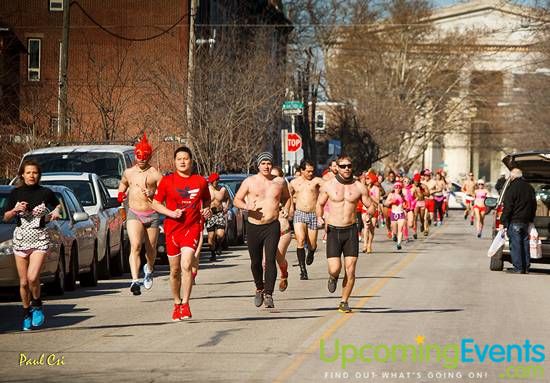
107, 165
234, 185
83, 190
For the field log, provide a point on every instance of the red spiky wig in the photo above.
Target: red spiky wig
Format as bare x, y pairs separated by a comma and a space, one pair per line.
143, 149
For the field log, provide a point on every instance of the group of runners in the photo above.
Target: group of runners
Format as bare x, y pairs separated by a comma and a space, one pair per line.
475, 194
347, 207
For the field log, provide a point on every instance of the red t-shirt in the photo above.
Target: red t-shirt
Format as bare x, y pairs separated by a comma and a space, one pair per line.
186, 193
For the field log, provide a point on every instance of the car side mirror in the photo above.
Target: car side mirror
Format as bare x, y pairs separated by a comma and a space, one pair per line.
491, 202
112, 202
80, 216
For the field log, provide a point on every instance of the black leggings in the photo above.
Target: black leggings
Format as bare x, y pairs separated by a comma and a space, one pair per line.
258, 237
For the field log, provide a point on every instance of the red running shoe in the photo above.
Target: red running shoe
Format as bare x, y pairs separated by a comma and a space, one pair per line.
176, 314
185, 311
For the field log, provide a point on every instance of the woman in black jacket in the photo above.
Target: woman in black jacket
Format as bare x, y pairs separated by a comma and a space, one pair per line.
32, 206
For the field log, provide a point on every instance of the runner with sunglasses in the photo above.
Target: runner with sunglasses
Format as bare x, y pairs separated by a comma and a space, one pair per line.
343, 192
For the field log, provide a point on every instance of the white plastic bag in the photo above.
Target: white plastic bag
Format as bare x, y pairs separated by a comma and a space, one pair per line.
498, 243
535, 244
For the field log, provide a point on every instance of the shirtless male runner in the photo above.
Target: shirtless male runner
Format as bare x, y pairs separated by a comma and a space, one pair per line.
343, 193
215, 225
305, 191
139, 184
261, 195
469, 188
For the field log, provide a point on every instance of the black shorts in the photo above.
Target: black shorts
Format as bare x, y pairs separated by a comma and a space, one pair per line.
342, 240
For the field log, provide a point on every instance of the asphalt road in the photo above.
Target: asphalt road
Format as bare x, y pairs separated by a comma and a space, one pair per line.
436, 299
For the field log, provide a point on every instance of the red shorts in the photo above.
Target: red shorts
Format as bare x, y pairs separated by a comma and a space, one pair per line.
482, 209
430, 205
183, 237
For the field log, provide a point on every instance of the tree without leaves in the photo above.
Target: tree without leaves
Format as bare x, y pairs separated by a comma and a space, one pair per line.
402, 76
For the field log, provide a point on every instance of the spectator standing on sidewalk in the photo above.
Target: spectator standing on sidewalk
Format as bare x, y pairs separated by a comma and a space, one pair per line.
520, 207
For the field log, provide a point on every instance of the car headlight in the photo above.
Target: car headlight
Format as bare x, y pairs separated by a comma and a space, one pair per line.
6, 248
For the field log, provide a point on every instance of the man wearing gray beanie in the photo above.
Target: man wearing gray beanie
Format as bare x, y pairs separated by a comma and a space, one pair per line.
261, 195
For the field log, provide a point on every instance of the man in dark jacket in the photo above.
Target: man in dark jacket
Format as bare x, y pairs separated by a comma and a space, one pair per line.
520, 207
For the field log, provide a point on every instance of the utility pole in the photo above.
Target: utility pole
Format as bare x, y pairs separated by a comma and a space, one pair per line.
63, 86
191, 66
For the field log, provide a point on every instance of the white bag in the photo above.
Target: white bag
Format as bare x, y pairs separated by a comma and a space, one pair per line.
535, 244
498, 243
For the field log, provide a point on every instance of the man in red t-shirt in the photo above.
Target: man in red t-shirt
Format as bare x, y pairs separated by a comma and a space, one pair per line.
186, 201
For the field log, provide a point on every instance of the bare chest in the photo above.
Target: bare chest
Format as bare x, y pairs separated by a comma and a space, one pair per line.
266, 190
348, 193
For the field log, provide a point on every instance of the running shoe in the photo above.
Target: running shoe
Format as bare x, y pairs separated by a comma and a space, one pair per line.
309, 258
344, 307
395, 238
471, 222
185, 311
259, 298
147, 277
389, 235
268, 299
283, 284
425, 233
135, 289
27, 322
415, 236
398, 246
332, 282
176, 314
37, 316
479, 234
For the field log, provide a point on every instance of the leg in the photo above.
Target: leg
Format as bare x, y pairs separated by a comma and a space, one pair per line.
525, 250
400, 225
394, 229
481, 220
175, 277
478, 222
22, 264
255, 242
370, 236
186, 262
300, 232
350, 264
516, 246
195, 267
220, 234
135, 234
212, 243
282, 247
271, 241
334, 266
311, 245
36, 260
151, 238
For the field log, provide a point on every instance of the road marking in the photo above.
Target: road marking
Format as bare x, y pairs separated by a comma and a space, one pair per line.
369, 292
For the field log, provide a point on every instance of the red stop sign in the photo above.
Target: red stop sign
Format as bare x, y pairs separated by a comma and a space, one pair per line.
294, 142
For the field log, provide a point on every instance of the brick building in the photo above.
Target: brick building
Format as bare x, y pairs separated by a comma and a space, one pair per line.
126, 59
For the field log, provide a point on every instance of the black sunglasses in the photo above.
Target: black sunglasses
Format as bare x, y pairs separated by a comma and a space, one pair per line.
344, 166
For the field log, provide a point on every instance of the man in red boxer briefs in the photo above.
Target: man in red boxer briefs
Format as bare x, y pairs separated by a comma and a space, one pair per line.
187, 201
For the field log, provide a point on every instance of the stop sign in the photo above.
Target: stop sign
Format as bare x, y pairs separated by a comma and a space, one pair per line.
294, 142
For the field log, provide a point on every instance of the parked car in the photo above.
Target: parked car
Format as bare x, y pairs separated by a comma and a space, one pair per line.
73, 255
456, 197
235, 230
107, 161
104, 211
535, 166
233, 181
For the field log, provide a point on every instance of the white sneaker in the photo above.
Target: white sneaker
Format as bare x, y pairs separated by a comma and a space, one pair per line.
148, 277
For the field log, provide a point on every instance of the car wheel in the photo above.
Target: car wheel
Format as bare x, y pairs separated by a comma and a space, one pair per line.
119, 262
70, 277
57, 286
497, 263
105, 264
89, 279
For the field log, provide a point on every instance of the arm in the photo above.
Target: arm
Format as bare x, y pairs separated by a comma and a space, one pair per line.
508, 202
122, 187
160, 208
225, 200
367, 201
206, 199
238, 201
286, 200
321, 202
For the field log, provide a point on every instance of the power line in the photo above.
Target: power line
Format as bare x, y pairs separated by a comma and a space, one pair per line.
114, 34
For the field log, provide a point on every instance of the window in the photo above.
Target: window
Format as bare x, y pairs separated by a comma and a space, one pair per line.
33, 51
320, 121
54, 128
56, 5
